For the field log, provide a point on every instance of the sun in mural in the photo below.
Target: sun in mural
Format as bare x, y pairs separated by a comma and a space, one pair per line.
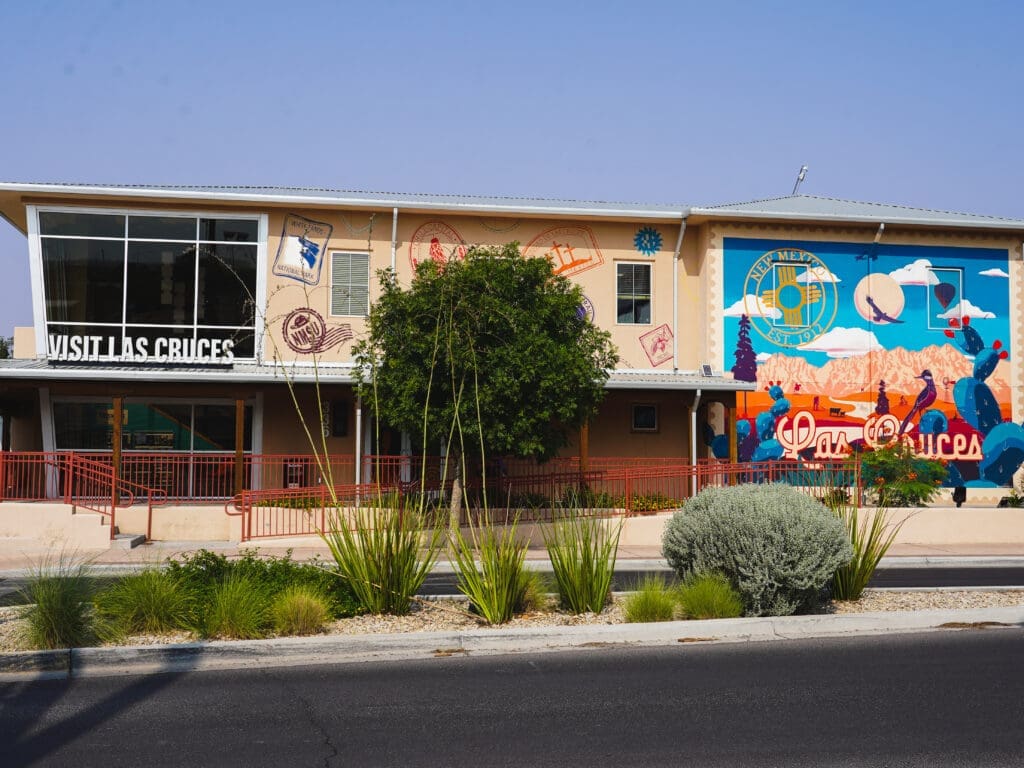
647, 241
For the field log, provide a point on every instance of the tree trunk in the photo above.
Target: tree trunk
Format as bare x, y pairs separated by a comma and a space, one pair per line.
455, 508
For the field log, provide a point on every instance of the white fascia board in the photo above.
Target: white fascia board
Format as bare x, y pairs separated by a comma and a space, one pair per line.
344, 202
857, 219
189, 376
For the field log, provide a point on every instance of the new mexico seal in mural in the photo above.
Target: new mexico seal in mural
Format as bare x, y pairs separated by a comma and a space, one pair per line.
790, 296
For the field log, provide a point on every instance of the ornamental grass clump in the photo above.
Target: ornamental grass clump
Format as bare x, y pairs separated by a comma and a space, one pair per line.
58, 595
151, 601
709, 596
238, 610
489, 569
653, 600
299, 610
582, 550
384, 556
870, 540
777, 546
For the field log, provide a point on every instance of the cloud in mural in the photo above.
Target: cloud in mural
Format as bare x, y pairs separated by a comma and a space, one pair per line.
966, 308
843, 342
752, 306
763, 357
917, 273
818, 275
994, 272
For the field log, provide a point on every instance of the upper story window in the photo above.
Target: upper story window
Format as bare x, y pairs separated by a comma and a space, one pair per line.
350, 283
150, 287
633, 293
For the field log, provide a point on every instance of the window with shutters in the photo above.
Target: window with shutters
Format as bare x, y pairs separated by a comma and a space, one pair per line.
350, 283
633, 293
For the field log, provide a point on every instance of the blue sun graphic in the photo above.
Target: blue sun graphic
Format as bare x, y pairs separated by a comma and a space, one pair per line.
647, 241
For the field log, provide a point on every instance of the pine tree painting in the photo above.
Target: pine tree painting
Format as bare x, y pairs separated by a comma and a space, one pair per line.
882, 404
746, 360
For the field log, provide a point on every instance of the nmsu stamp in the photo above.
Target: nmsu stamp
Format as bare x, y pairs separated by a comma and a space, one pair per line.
305, 332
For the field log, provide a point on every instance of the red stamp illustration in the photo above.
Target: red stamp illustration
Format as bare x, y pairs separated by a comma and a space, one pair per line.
437, 242
658, 345
305, 332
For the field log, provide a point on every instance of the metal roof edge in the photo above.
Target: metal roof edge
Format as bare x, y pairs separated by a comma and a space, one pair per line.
385, 201
1009, 224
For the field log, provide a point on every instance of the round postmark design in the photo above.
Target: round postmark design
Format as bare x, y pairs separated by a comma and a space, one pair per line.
435, 241
790, 296
305, 332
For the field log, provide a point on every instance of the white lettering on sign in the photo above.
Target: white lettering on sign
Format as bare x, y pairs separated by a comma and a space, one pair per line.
71, 348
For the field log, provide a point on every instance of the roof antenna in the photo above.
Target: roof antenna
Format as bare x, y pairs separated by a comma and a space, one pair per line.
799, 178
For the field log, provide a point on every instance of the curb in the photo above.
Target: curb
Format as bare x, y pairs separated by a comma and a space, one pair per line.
283, 652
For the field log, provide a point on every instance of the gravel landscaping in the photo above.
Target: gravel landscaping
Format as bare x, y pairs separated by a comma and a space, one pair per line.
443, 615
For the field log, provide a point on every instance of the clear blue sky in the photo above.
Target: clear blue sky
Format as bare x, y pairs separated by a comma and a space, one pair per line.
698, 102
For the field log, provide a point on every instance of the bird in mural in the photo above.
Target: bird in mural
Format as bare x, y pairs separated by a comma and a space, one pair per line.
924, 399
436, 251
879, 315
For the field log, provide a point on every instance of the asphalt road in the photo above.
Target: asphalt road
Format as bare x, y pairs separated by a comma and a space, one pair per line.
938, 699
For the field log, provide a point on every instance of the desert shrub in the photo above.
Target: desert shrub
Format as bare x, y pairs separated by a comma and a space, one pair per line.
894, 476
299, 610
201, 572
652, 601
149, 601
58, 595
777, 546
870, 541
582, 550
379, 557
709, 596
536, 588
585, 497
489, 569
238, 610
651, 502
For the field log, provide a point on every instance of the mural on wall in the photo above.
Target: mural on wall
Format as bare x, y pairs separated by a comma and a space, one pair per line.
570, 249
437, 242
853, 345
587, 310
300, 254
647, 241
657, 345
305, 332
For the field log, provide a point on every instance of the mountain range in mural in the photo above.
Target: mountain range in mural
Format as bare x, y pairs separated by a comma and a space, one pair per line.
897, 367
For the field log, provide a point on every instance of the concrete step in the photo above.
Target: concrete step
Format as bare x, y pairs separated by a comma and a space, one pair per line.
127, 540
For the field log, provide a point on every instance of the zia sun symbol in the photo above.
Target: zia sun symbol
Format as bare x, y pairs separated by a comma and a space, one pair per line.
647, 241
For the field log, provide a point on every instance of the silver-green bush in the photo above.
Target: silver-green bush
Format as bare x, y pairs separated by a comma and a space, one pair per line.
777, 546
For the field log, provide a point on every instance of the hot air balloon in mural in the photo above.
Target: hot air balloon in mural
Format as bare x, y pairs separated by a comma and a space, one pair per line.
945, 293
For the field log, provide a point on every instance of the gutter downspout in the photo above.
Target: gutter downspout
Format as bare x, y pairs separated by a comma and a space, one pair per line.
693, 441
359, 440
394, 239
675, 291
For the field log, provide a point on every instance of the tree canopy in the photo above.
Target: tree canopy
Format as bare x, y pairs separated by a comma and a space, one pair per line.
493, 345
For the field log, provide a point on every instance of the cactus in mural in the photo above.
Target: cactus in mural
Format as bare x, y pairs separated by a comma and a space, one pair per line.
769, 447
971, 343
719, 444
1003, 446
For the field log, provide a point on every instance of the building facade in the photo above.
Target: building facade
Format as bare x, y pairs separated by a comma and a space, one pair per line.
172, 319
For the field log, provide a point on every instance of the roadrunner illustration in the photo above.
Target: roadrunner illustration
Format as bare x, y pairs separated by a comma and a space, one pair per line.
924, 399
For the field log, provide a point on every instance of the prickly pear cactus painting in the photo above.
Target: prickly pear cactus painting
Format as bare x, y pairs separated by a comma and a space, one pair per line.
855, 344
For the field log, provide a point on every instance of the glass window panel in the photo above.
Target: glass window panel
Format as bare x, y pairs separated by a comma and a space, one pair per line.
350, 283
161, 277
230, 230
83, 280
81, 224
157, 427
215, 428
227, 283
159, 341
642, 311
83, 426
162, 227
60, 348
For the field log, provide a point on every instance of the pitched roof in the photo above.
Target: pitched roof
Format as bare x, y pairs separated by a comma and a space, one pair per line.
816, 208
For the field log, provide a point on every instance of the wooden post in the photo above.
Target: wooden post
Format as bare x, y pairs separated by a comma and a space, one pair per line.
730, 425
115, 457
585, 447
239, 445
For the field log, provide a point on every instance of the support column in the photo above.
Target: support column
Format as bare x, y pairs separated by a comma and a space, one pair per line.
585, 447
730, 426
239, 445
115, 456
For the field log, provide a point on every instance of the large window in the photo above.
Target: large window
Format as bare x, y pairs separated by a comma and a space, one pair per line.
633, 293
350, 283
122, 278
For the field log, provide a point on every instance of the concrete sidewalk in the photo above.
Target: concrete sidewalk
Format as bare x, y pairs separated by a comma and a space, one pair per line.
22, 554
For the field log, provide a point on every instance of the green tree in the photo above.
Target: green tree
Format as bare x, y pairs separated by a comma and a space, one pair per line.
489, 353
